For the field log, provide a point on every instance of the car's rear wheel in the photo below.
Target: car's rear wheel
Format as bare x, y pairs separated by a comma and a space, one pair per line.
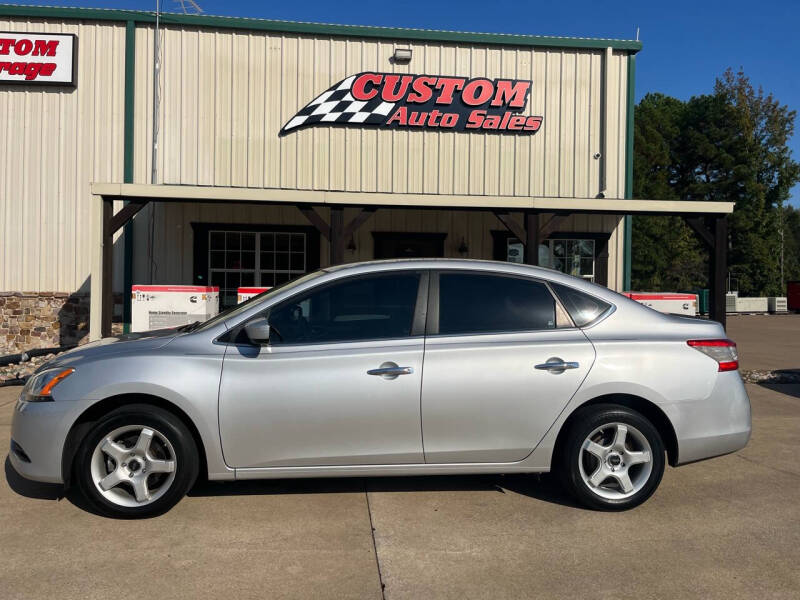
612, 458
137, 461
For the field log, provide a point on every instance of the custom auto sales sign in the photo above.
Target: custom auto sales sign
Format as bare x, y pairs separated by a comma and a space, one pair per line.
37, 58
422, 102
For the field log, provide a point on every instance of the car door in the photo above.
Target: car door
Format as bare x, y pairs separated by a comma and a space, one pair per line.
339, 382
494, 379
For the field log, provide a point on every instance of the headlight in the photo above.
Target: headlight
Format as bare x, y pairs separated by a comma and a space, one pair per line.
39, 387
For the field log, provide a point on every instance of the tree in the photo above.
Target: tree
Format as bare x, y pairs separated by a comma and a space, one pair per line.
727, 146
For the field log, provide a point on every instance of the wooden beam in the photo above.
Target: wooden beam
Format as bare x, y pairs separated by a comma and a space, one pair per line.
532, 237
512, 225
698, 224
358, 221
719, 269
127, 213
552, 224
337, 237
107, 301
316, 220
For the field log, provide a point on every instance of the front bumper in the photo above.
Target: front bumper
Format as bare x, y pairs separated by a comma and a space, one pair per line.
713, 426
39, 429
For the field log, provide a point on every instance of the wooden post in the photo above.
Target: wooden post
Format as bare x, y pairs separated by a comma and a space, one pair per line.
532, 238
719, 269
337, 235
107, 301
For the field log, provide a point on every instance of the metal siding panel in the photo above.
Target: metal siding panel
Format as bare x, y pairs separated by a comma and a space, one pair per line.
447, 149
538, 106
289, 106
314, 143
491, 147
352, 138
461, 141
222, 129
240, 107
522, 144
582, 151
369, 137
595, 121
506, 160
431, 141
477, 141
400, 141
337, 151
272, 111
566, 143
552, 134
385, 139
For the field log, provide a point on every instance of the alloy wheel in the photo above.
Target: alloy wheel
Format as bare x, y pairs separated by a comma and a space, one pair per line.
133, 465
615, 461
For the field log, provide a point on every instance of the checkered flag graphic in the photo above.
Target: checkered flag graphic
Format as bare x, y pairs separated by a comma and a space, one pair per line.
337, 106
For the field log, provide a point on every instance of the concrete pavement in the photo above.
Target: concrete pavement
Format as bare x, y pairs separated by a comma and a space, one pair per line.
726, 528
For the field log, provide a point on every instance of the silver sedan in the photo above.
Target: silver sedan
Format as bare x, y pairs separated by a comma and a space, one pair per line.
390, 368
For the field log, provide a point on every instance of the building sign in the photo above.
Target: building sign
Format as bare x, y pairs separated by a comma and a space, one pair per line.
37, 58
422, 102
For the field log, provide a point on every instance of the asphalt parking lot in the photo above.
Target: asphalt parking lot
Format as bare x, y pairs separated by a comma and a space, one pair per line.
726, 528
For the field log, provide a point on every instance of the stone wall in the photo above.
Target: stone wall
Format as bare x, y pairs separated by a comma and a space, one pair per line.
42, 320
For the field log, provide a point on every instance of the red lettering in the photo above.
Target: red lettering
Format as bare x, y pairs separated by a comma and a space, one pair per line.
47, 69
514, 95
391, 92
422, 91
433, 119
32, 70
516, 122
417, 119
504, 122
475, 119
399, 116
45, 47
533, 123
4, 66
5, 44
477, 92
17, 68
23, 47
491, 122
359, 90
449, 120
448, 85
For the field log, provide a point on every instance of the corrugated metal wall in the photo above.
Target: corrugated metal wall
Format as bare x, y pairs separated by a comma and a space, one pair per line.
226, 94
55, 142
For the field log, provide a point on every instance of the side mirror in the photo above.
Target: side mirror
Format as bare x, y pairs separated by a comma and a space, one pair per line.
257, 331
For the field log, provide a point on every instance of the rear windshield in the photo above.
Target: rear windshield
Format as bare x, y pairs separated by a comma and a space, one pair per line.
583, 308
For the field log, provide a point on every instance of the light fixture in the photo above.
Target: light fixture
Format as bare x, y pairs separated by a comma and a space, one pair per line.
402, 55
462, 249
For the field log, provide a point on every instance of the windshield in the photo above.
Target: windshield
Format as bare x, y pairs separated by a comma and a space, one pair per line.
240, 308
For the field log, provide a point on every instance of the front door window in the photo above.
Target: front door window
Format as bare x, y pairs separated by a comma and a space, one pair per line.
573, 257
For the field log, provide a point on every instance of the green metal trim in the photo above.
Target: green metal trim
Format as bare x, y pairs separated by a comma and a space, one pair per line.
626, 280
392, 33
127, 169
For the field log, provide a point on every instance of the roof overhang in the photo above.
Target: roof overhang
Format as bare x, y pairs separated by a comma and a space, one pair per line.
194, 193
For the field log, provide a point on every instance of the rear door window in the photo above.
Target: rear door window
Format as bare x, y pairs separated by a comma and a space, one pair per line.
474, 303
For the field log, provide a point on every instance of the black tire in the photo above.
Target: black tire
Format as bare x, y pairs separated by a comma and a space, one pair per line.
186, 460
588, 420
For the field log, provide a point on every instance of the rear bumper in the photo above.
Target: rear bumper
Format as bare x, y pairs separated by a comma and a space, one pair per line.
713, 426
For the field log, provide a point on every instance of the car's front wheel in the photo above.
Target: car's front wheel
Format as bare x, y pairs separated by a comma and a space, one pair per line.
137, 461
612, 457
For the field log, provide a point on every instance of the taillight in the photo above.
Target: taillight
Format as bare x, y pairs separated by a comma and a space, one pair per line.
722, 351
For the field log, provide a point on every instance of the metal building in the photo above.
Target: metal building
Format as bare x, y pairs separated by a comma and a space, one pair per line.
534, 162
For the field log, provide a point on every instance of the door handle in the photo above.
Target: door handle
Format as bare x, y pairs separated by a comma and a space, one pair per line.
556, 365
390, 371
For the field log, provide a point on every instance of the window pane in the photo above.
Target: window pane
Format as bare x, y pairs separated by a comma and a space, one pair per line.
248, 260
268, 241
587, 266
218, 279
364, 308
218, 260
583, 308
281, 261
232, 260
248, 241
248, 279
217, 240
298, 242
586, 248
472, 303
268, 260
298, 262
232, 241
281, 242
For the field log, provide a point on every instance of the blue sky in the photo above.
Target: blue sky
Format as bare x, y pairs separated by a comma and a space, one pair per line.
687, 44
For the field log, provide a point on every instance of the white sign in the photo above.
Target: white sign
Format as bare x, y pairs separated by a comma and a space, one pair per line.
679, 304
165, 306
37, 58
245, 293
